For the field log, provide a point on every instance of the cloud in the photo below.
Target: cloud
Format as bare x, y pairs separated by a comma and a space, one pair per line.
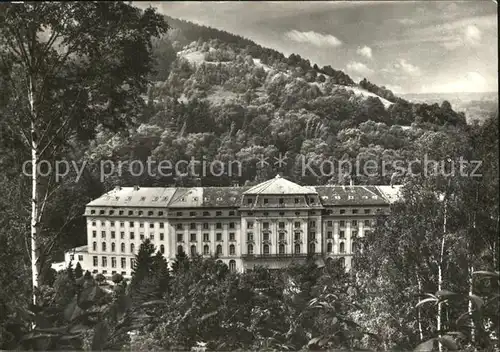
359, 67
472, 34
406, 21
403, 67
408, 68
365, 51
470, 82
314, 38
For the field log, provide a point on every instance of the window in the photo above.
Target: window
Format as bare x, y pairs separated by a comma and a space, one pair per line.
266, 249
312, 248
297, 236
112, 234
367, 211
103, 246
152, 236
113, 247
232, 265
94, 246
342, 223
206, 250
355, 211
218, 236
266, 236
312, 223
281, 236
120, 212
265, 225
218, 213
132, 248
162, 249
231, 236
180, 249
122, 247
103, 234
311, 200
94, 234
180, 237
249, 201
104, 261
113, 262
193, 250
101, 212
192, 213
342, 247
250, 249
297, 224
250, 236
80, 258
342, 234
297, 200
193, 237
122, 235
160, 213
367, 223
132, 236
93, 223
219, 250
206, 237
329, 234
297, 213
141, 236
231, 213
281, 201
141, 224
231, 225
92, 212
312, 235
232, 250
140, 212
131, 224
179, 226
95, 260
342, 211
281, 249
179, 213
354, 223
329, 223
218, 225
123, 263
130, 212
162, 236
132, 262
206, 213
297, 249
329, 247
281, 225
342, 262
266, 200
162, 225
151, 226
192, 226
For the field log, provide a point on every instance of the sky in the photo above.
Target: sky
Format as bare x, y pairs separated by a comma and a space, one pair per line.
407, 46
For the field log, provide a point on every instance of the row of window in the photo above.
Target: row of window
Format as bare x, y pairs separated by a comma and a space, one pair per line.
131, 235
154, 213
193, 237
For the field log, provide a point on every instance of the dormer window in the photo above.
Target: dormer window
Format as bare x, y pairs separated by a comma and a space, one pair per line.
195, 199
266, 200
150, 213
101, 212
179, 213
111, 212
297, 200
140, 212
92, 212
311, 200
281, 201
143, 199
206, 213
249, 200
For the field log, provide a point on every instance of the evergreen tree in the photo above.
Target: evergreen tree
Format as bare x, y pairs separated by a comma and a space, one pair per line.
143, 264
78, 271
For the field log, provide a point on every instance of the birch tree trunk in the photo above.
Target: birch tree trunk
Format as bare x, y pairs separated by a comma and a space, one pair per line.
419, 318
440, 276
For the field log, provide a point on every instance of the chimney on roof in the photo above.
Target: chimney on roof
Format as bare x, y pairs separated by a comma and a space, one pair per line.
136, 188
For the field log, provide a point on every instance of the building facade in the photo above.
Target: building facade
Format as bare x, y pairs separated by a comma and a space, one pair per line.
273, 224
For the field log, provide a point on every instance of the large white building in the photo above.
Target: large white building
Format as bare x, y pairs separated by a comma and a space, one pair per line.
272, 223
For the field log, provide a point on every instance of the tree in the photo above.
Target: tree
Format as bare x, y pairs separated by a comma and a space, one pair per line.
69, 67
78, 271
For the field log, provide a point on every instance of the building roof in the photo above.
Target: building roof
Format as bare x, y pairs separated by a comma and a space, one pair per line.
136, 197
280, 185
350, 195
391, 193
216, 197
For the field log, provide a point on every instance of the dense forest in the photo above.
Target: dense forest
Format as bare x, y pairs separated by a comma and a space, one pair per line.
427, 276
